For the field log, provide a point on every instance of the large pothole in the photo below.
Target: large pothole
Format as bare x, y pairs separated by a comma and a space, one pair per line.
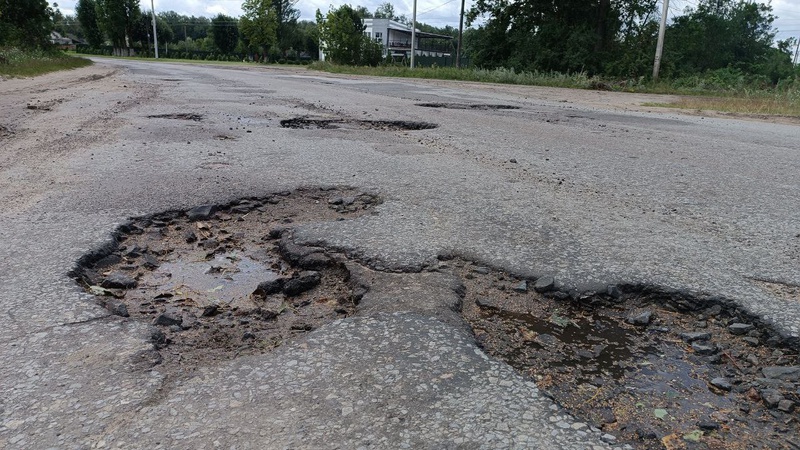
178, 116
331, 124
217, 282
654, 369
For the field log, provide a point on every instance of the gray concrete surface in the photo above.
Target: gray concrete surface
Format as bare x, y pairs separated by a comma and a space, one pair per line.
598, 195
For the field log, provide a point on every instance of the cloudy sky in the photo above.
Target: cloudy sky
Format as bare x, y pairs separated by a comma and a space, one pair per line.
433, 12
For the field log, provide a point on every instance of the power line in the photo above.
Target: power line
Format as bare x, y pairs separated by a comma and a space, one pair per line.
435, 7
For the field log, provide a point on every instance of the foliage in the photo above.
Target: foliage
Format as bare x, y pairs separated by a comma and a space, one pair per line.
286, 15
186, 27
259, 25
86, 11
25, 23
225, 31
342, 34
118, 19
31, 62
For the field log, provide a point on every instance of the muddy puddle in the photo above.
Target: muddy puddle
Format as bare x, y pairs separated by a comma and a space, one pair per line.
655, 370
217, 282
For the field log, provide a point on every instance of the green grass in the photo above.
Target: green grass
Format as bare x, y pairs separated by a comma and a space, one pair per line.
15, 62
722, 90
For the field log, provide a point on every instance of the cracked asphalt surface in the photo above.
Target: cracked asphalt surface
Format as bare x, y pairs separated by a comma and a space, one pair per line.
582, 186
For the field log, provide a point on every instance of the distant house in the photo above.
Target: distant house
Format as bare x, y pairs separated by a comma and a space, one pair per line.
64, 43
395, 37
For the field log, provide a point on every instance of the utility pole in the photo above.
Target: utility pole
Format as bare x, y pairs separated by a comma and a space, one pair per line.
460, 35
796, 50
660, 45
413, 34
155, 34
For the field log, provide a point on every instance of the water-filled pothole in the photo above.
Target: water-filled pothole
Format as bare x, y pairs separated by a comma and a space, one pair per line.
179, 116
331, 124
478, 106
217, 282
656, 370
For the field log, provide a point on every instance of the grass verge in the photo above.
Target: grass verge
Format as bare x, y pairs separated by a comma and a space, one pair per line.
15, 62
776, 105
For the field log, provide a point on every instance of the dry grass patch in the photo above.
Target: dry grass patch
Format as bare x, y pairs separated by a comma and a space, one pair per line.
778, 104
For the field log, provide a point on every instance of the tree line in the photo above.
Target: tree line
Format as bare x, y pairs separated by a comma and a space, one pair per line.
612, 38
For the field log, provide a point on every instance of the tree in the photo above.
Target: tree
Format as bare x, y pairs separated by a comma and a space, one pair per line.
26, 23
342, 34
286, 15
225, 31
117, 19
87, 16
386, 11
259, 25
719, 34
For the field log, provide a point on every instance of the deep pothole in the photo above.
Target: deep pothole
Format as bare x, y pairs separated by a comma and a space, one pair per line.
353, 124
478, 106
217, 282
178, 116
653, 369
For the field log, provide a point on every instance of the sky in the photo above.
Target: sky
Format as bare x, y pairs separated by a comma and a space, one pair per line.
433, 12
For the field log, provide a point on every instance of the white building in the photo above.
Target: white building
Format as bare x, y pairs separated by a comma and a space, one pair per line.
396, 39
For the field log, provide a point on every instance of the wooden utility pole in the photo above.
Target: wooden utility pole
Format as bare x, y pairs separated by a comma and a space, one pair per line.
660, 45
413, 34
460, 35
796, 50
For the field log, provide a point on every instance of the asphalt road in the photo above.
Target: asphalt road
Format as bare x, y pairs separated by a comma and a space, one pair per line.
570, 184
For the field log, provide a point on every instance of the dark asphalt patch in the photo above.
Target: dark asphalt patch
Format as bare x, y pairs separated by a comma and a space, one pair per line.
477, 106
305, 123
178, 116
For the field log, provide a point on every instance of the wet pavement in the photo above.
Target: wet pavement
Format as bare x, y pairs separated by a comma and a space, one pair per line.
568, 186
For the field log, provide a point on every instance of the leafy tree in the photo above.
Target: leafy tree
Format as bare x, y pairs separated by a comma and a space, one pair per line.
117, 19
186, 27
718, 34
363, 12
386, 11
225, 31
26, 23
87, 16
342, 32
308, 38
286, 15
259, 25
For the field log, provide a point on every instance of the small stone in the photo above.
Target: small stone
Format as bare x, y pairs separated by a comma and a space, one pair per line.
118, 280
607, 415
713, 311
544, 284
786, 373
481, 270
771, 397
702, 349
722, 383
305, 281
202, 212
158, 338
247, 336
608, 438
522, 287
512, 161
270, 287
168, 319
613, 291
786, 406
118, 308
708, 425
696, 336
314, 261
752, 359
485, 302
754, 342
335, 201
150, 262
189, 236
740, 328
641, 318
210, 311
